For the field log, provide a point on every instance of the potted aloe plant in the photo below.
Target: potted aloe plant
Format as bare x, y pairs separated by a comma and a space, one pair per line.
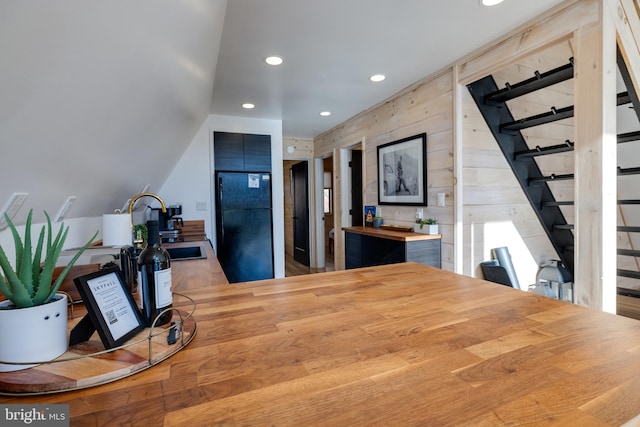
430, 223
33, 319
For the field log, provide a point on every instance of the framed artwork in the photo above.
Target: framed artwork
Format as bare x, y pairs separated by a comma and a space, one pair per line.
402, 172
110, 307
369, 214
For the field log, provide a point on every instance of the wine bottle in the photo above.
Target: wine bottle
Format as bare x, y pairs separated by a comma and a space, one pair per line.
154, 278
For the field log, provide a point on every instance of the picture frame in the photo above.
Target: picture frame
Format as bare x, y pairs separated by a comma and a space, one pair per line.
402, 172
369, 215
110, 307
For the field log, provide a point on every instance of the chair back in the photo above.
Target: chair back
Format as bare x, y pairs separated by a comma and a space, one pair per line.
495, 273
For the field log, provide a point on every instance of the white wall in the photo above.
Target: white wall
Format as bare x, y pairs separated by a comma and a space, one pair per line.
80, 230
191, 181
100, 98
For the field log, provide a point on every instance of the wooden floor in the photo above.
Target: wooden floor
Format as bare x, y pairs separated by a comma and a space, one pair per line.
294, 268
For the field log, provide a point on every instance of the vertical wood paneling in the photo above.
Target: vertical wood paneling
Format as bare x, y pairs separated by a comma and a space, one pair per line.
492, 198
426, 107
595, 153
550, 28
302, 148
440, 106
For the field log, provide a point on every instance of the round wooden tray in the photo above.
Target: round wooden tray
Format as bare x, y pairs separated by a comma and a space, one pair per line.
88, 364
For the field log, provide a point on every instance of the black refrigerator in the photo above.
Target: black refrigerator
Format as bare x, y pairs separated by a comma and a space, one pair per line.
244, 225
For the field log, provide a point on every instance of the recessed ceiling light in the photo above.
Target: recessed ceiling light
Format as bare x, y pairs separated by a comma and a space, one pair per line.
273, 60
325, 113
489, 2
248, 105
377, 77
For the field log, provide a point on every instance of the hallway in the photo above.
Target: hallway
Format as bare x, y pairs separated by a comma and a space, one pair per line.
293, 268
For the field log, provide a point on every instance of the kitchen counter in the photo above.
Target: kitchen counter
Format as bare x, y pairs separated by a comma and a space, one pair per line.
399, 235
369, 246
401, 344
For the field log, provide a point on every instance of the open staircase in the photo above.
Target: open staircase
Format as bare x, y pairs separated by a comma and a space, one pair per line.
507, 130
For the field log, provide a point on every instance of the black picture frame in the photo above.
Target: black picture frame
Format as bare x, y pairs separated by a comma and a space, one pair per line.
110, 306
402, 172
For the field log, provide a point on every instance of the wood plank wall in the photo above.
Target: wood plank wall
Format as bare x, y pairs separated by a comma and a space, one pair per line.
496, 211
440, 106
425, 107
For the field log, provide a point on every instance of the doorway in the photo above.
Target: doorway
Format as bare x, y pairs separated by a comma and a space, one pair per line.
300, 214
357, 207
328, 237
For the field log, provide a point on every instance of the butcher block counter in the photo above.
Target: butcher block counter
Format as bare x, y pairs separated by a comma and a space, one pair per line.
369, 246
401, 344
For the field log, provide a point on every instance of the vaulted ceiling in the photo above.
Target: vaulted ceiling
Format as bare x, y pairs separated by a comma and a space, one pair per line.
98, 99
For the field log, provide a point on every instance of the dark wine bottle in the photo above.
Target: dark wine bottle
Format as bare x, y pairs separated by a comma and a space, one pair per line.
154, 278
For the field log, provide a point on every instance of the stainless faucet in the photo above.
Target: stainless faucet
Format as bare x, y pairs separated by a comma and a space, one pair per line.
131, 203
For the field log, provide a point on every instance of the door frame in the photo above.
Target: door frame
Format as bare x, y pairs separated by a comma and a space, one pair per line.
307, 207
341, 159
317, 243
311, 195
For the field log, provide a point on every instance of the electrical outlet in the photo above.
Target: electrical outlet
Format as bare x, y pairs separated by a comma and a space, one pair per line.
11, 208
201, 206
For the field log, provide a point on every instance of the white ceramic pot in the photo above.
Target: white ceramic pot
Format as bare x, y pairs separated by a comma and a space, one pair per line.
426, 228
32, 334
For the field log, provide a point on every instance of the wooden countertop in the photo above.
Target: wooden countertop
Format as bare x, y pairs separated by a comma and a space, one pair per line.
197, 273
404, 236
401, 344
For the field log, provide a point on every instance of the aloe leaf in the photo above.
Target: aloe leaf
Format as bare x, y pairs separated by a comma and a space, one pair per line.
4, 288
16, 291
44, 282
59, 236
49, 230
35, 275
53, 253
64, 273
26, 269
16, 240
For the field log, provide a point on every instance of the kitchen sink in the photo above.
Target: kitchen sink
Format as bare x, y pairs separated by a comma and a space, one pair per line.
186, 253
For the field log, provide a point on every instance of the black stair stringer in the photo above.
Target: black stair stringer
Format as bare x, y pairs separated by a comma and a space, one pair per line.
628, 82
525, 168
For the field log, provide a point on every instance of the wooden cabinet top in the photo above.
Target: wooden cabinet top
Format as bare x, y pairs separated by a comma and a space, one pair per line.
383, 233
400, 344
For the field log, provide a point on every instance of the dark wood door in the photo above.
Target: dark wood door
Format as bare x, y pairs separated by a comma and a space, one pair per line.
357, 207
299, 179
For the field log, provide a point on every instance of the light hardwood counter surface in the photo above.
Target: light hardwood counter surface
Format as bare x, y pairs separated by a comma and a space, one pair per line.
400, 235
401, 344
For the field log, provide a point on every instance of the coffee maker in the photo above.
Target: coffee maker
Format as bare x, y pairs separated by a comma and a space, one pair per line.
169, 221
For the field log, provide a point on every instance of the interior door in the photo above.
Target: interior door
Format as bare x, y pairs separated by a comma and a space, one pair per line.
357, 207
299, 181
